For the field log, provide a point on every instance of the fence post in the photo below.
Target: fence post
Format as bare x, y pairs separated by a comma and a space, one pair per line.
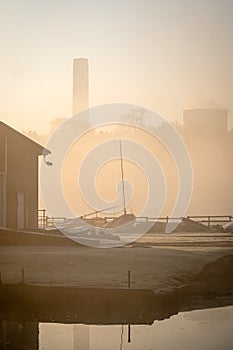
23, 279
129, 279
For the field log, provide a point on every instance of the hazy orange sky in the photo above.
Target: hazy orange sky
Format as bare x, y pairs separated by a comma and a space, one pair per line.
164, 55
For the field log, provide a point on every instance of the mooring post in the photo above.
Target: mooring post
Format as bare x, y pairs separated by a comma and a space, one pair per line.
23, 280
129, 279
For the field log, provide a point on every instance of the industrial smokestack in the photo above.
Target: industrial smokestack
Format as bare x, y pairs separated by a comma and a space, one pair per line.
80, 85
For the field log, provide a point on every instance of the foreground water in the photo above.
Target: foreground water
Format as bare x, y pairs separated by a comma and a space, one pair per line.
209, 329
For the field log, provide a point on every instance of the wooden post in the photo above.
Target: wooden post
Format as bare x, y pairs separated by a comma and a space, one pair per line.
129, 279
23, 279
0, 277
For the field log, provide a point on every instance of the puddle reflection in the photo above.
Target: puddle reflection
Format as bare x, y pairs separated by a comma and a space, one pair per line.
54, 318
209, 329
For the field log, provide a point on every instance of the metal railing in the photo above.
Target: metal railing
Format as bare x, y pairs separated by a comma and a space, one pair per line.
45, 222
211, 220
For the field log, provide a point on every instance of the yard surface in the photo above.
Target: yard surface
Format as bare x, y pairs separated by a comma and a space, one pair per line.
158, 268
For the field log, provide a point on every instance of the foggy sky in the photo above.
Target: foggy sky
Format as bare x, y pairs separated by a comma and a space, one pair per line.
164, 55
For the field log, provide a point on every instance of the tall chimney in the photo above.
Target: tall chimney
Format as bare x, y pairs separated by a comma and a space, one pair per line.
81, 337
80, 85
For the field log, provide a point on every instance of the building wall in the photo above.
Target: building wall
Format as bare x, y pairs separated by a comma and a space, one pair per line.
2, 183
19, 162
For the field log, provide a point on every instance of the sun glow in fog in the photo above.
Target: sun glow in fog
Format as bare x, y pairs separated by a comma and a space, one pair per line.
109, 174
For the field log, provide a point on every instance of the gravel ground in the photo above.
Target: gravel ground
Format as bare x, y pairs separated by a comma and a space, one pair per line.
156, 268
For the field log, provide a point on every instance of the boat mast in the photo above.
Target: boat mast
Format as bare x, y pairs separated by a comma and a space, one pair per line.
122, 177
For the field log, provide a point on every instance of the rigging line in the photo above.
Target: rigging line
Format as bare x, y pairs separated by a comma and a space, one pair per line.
122, 177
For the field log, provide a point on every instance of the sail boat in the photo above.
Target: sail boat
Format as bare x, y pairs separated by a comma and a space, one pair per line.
124, 218
79, 231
